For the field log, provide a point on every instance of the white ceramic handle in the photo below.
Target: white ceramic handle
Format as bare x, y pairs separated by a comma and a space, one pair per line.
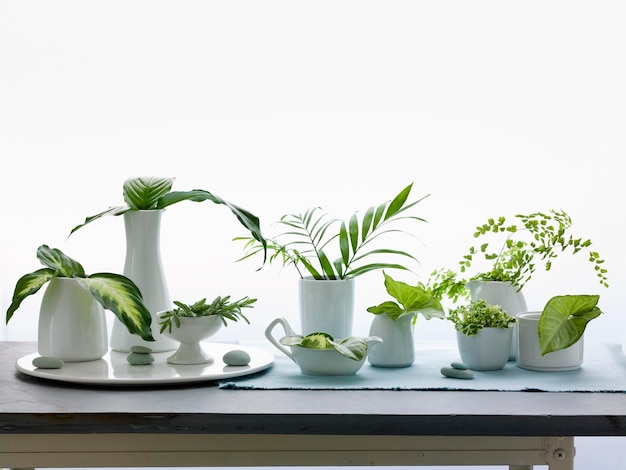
274, 341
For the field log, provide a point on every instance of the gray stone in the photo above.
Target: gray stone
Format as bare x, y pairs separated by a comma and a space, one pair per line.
459, 365
140, 349
236, 357
457, 373
46, 362
140, 359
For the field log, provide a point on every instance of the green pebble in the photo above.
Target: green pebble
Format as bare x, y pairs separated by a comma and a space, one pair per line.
139, 349
457, 373
46, 362
236, 357
140, 359
459, 365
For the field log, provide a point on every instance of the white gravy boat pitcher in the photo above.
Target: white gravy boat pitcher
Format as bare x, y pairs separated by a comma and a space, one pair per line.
317, 361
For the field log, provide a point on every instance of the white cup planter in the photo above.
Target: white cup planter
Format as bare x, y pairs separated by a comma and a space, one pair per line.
486, 350
529, 353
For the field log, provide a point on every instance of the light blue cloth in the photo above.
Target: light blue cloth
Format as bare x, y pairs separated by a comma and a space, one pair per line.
603, 370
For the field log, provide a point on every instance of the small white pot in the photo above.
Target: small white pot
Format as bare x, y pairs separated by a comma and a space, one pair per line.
488, 349
397, 348
326, 306
529, 353
72, 324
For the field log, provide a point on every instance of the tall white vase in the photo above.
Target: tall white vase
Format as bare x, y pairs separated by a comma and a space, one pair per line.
144, 267
397, 348
506, 296
326, 306
72, 323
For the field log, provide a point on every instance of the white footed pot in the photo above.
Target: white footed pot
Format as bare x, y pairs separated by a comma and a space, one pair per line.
72, 323
144, 267
506, 296
397, 348
326, 306
189, 334
486, 350
529, 353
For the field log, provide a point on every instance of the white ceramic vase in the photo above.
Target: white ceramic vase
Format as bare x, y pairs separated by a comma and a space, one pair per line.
486, 350
72, 323
506, 296
529, 352
326, 306
397, 348
189, 334
144, 267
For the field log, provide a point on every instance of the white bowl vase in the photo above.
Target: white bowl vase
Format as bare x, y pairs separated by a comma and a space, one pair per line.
326, 306
190, 333
486, 350
72, 323
529, 353
506, 296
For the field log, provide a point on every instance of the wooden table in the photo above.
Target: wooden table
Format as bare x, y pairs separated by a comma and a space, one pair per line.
55, 424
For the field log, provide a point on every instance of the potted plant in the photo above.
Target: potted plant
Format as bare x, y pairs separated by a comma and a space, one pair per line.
552, 340
146, 198
394, 322
191, 323
531, 241
538, 239
320, 353
483, 334
328, 253
72, 326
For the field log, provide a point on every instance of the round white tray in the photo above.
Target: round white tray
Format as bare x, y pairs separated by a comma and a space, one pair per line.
114, 369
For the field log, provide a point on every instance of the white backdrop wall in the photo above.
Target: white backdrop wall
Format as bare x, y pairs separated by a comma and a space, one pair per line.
493, 108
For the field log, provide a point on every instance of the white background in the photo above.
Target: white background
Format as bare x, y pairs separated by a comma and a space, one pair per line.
493, 108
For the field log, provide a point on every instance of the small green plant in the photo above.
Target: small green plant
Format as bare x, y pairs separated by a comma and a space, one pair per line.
538, 239
309, 239
221, 306
154, 193
478, 314
114, 292
412, 300
564, 320
352, 347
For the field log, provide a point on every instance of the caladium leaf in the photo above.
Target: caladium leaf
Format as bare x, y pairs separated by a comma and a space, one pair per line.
413, 299
121, 296
564, 319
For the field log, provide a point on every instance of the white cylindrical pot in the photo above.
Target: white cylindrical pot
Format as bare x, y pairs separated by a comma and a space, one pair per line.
486, 350
72, 323
529, 352
144, 267
326, 306
397, 348
506, 296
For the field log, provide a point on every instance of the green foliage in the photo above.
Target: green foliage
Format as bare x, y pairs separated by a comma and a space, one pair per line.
412, 300
470, 319
309, 238
352, 347
113, 291
564, 319
154, 193
221, 306
537, 239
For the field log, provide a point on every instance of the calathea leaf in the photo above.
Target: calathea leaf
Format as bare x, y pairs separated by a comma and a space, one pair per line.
28, 285
144, 193
122, 297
